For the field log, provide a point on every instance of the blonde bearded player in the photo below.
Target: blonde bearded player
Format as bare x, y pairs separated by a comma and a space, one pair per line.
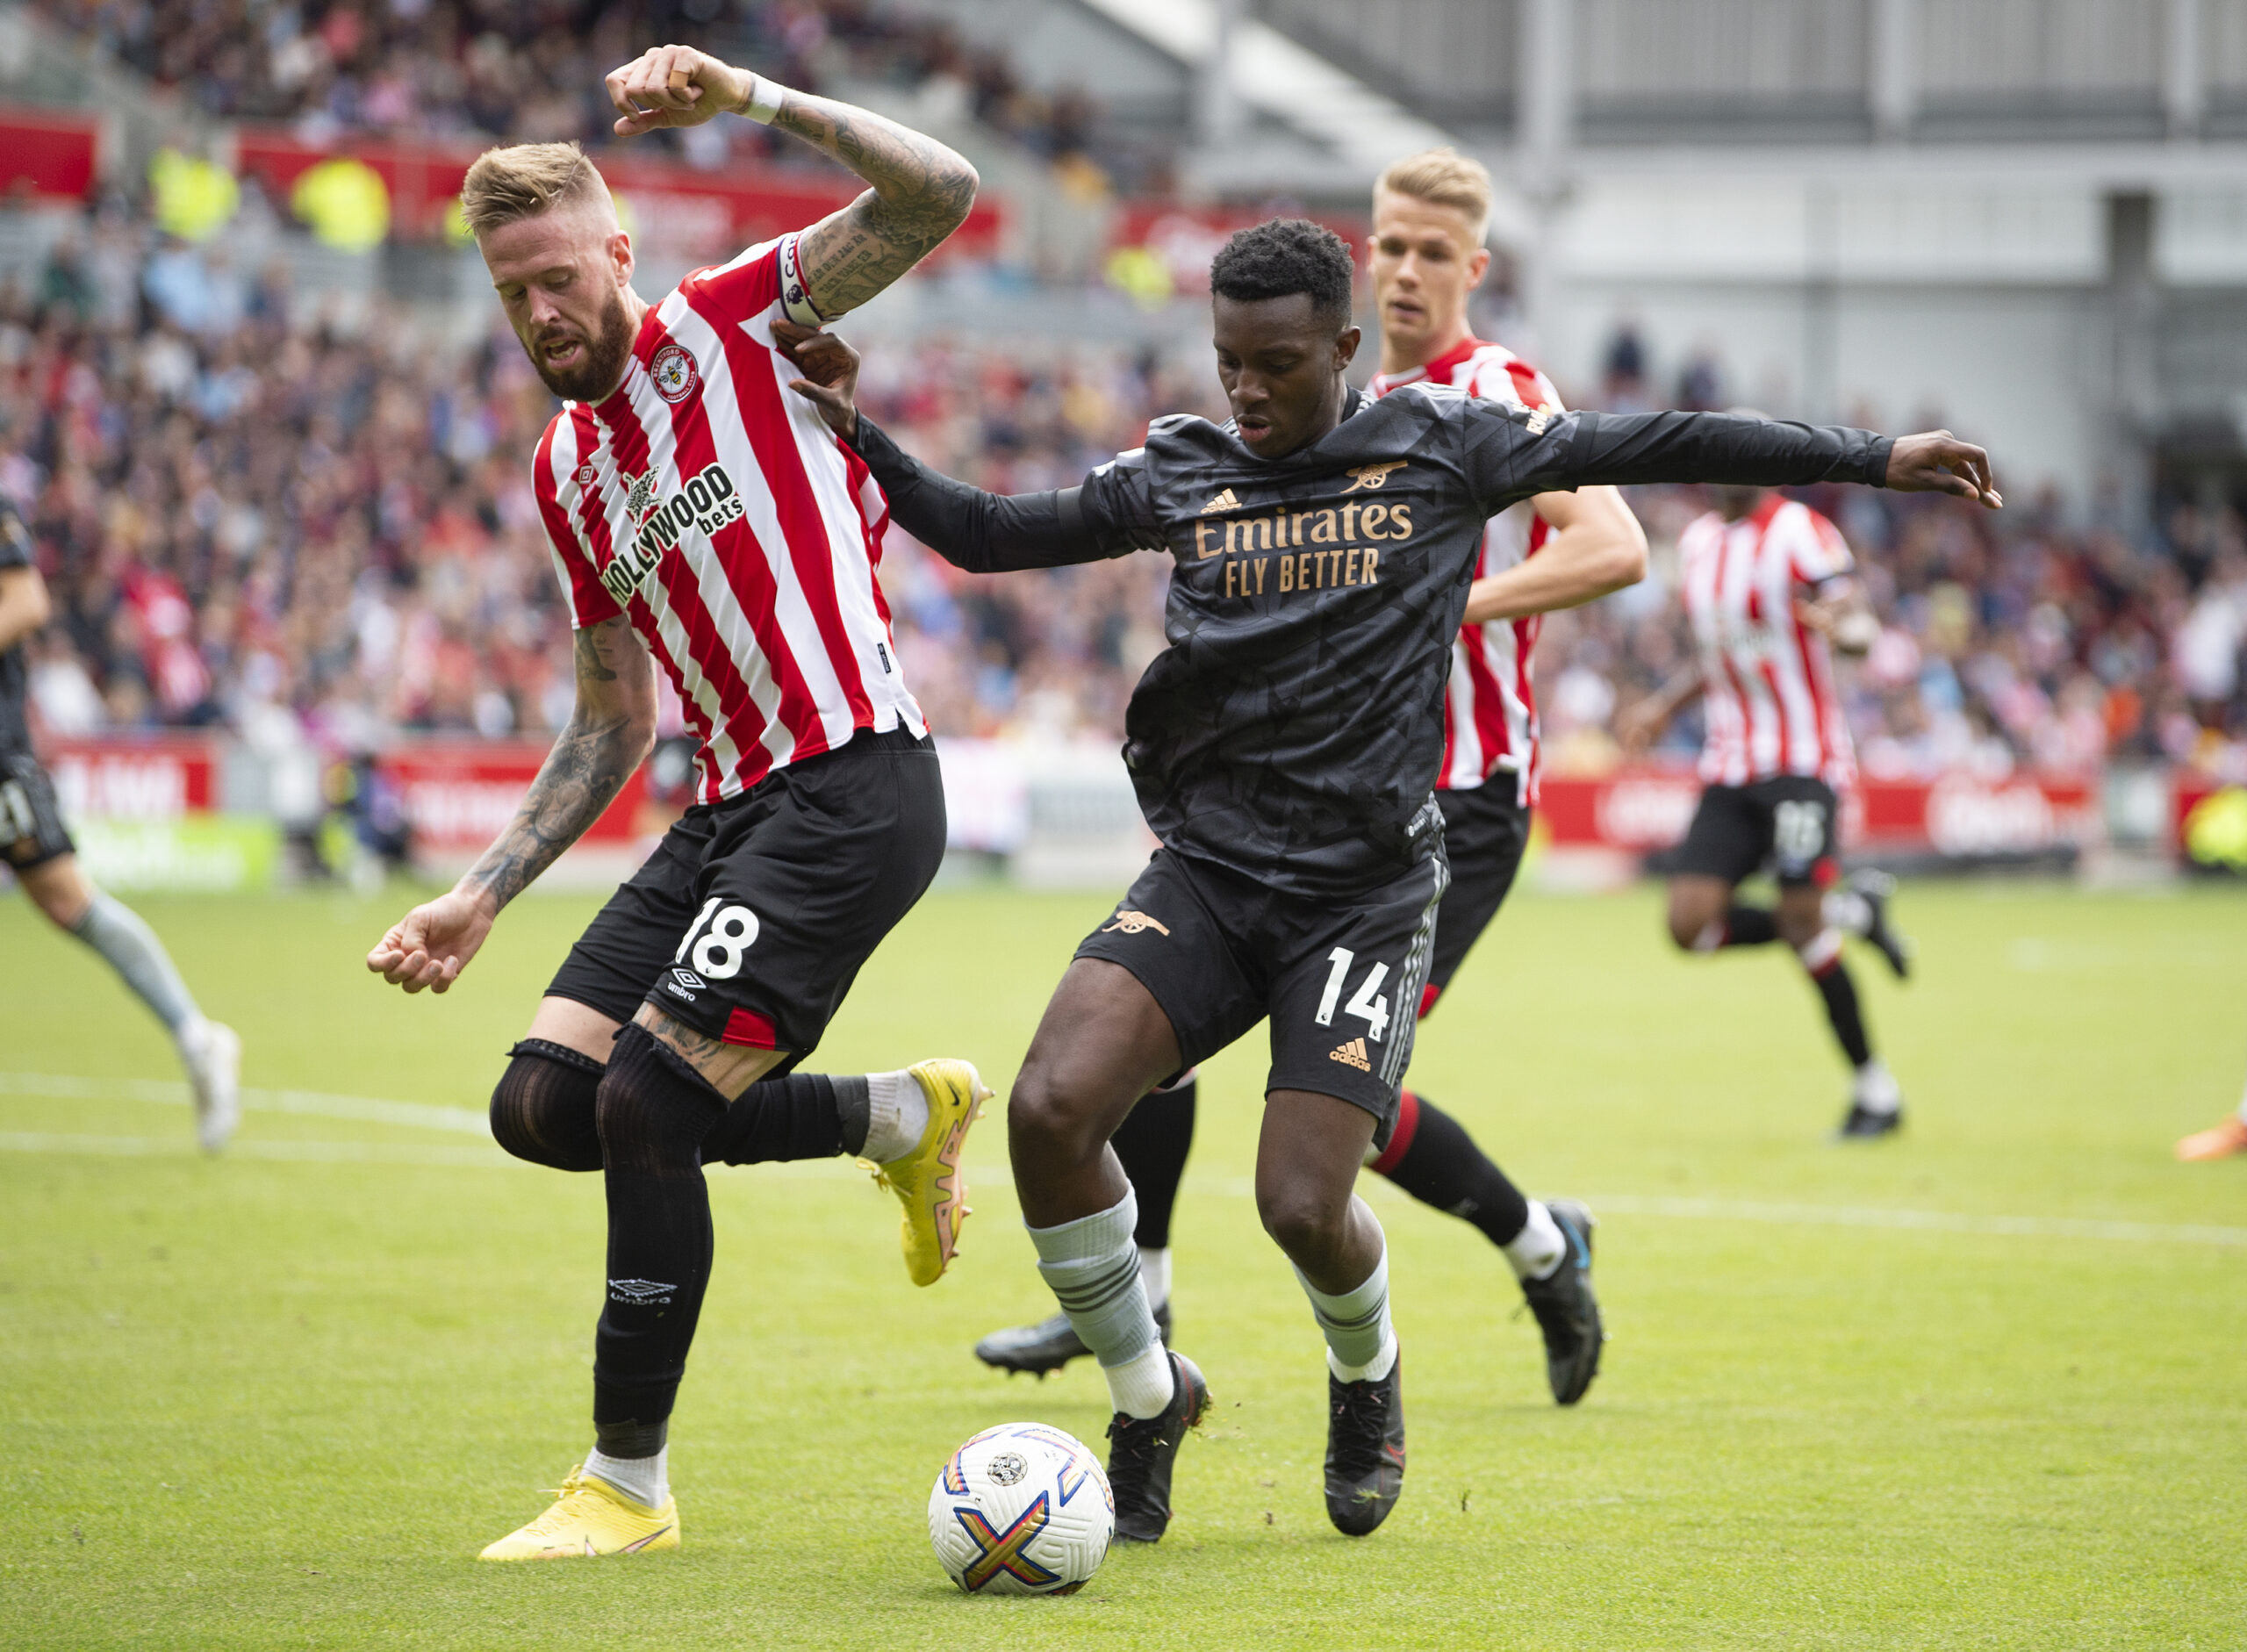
1556, 550
700, 516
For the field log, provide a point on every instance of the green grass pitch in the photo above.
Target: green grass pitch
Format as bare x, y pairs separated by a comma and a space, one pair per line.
281, 1399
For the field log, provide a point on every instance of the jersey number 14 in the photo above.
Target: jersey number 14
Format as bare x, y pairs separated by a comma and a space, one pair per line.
1369, 1004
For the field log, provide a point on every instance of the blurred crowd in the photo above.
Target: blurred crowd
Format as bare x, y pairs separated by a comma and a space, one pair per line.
256, 515
532, 69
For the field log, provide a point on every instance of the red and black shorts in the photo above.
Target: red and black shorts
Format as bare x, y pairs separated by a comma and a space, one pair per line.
752, 917
1791, 822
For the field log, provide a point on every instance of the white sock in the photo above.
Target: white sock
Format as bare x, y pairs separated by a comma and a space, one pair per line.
1355, 1321
1094, 1269
1143, 1384
1380, 1366
1537, 1250
1847, 910
1875, 1087
1154, 1274
645, 1480
897, 1116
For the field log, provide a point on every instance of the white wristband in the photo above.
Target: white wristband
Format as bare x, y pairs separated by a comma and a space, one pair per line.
763, 100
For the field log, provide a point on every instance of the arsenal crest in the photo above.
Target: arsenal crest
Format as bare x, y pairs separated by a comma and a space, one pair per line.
674, 371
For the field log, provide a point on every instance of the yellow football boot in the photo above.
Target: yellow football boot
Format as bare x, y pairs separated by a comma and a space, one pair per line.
589, 1517
928, 1182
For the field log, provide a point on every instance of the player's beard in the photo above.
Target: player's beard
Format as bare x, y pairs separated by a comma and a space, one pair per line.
600, 368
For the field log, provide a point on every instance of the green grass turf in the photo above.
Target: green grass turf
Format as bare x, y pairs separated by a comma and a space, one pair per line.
255, 1403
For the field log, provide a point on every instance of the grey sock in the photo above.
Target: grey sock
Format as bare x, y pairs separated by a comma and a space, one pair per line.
118, 934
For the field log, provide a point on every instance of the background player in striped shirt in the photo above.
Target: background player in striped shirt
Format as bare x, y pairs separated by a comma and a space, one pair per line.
700, 516
1768, 594
1556, 550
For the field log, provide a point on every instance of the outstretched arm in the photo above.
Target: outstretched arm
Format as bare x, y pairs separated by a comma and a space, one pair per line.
979, 532
1568, 450
607, 735
920, 190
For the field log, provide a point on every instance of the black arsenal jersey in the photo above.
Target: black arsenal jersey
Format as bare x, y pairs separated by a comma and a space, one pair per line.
1293, 728
15, 552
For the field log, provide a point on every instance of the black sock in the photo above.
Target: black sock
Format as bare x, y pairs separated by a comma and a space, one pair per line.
1433, 1158
542, 1107
1152, 1142
803, 1115
654, 1111
1749, 926
1841, 996
631, 1437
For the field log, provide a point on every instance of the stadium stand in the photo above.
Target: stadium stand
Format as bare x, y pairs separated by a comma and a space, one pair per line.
240, 505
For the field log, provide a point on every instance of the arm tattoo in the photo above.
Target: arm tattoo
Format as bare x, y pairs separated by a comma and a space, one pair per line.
922, 192
591, 760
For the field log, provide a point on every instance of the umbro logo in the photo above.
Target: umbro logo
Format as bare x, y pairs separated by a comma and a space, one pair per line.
1370, 477
689, 982
1134, 924
1351, 1055
639, 1290
1224, 501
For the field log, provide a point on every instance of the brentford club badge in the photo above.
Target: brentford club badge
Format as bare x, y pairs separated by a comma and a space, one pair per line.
674, 371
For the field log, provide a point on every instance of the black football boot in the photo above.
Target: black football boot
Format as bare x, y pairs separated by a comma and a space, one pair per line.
1365, 1449
1566, 1309
1875, 888
1865, 1123
1047, 1345
1142, 1450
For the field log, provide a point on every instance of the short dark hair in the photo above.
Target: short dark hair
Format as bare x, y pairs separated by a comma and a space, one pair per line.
1282, 256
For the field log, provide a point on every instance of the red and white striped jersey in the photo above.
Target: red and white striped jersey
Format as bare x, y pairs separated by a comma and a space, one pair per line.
1490, 707
706, 502
1769, 698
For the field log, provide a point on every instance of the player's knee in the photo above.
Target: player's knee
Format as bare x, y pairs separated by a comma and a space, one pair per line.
57, 890
652, 1109
1686, 926
543, 1108
1048, 1115
1310, 1227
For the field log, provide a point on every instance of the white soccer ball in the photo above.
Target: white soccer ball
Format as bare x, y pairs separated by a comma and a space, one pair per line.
1021, 1509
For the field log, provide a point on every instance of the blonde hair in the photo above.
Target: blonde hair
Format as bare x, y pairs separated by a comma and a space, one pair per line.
523, 180
1442, 178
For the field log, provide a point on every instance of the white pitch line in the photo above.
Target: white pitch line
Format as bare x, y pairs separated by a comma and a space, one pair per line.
420, 1114
461, 1120
388, 1152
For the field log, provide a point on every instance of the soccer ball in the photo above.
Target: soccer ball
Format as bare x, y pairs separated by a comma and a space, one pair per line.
1021, 1509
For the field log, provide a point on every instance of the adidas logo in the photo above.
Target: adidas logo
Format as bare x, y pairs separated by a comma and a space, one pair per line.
1351, 1055
1224, 501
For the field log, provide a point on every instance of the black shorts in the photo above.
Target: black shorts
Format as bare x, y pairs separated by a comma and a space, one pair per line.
1340, 978
1485, 830
1792, 820
752, 917
31, 825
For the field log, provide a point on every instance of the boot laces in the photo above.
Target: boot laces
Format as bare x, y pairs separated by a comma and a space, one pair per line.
1359, 1427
